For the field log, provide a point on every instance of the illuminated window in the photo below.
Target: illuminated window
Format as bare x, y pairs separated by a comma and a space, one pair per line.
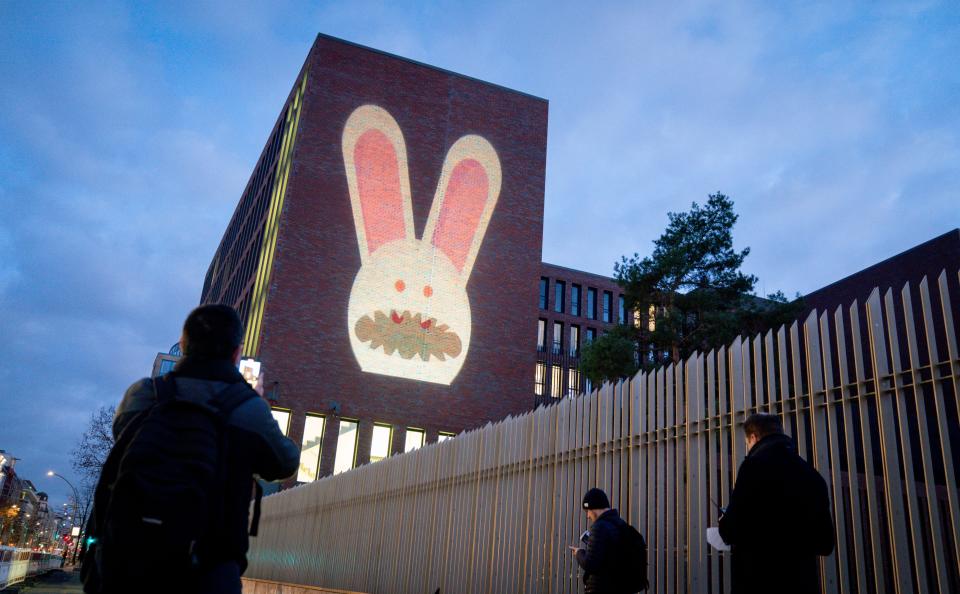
591, 335
541, 335
622, 311
380, 444
556, 381
652, 315
283, 419
557, 338
346, 446
575, 300
607, 306
573, 382
592, 303
544, 281
310, 449
637, 318
560, 289
540, 379
414, 439
443, 436
574, 340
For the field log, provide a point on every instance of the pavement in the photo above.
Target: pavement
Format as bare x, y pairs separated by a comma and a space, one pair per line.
53, 582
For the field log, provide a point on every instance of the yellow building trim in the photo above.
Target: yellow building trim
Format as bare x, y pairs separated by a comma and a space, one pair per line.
251, 342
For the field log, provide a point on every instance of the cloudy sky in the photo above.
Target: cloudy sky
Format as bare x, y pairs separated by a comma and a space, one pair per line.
127, 134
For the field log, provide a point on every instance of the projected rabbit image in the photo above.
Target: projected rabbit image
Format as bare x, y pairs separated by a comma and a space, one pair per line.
409, 313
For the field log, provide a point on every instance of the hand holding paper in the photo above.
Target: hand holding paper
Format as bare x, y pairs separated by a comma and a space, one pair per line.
713, 537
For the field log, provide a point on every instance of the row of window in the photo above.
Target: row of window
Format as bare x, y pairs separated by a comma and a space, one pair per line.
556, 383
557, 338
255, 198
576, 294
345, 456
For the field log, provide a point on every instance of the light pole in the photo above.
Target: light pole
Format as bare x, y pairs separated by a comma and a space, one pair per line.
76, 500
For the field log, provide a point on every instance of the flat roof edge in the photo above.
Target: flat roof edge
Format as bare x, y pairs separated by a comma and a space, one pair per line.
430, 66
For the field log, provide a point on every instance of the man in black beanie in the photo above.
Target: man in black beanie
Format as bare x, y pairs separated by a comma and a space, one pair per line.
606, 558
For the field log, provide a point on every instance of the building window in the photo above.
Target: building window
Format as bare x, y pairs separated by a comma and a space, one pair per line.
559, 291
557, 338
607, 306
575, 300
622, 311
574, 340
166, 366
591, 303
541, 335
444, 436
573, 381
544, 281
414, 439
283, 419
591, 335
556, 381
310, 448
587, 385
380, 443
346, 446
539, 379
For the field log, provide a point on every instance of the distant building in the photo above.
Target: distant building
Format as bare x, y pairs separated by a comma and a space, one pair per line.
164, 362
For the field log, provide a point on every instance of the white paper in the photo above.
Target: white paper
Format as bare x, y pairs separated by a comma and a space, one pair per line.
713, 537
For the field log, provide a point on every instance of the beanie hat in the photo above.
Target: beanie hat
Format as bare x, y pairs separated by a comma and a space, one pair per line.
595, 499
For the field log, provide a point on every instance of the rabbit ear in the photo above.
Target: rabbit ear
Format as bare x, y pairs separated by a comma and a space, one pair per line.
466, 196
375, 158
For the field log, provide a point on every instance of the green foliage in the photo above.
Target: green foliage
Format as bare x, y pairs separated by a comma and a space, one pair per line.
694, 289
610, 357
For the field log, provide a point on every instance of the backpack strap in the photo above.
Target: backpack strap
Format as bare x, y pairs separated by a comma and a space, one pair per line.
255, 521
165, 388
226, 402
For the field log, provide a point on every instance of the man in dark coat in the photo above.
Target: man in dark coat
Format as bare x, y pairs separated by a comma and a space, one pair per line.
778, 520
211, 344
602, 559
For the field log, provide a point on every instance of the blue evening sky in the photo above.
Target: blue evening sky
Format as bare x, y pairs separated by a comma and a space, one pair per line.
127, 132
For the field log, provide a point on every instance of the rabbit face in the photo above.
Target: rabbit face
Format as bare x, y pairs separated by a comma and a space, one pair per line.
409, 314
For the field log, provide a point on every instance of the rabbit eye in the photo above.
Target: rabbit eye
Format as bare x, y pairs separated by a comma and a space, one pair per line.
427, 291
400, 286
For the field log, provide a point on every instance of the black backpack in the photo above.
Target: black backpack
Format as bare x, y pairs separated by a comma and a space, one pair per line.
634, 565
159, 501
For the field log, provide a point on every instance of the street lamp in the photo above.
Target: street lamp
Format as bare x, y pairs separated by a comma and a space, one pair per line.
76, 501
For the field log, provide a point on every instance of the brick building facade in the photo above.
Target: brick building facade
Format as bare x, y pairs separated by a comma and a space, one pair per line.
373, 340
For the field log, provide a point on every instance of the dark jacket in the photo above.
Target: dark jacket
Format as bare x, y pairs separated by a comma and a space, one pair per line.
602, 560
778, 521
256, 444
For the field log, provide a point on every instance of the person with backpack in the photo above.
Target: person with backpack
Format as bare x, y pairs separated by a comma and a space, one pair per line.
615, 558
171, 508
779, 520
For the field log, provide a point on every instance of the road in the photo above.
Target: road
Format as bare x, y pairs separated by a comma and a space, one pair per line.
53, 582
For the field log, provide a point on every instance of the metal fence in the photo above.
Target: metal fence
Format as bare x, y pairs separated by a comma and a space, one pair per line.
869, 392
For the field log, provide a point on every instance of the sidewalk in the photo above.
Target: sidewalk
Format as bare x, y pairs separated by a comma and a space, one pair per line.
53, 582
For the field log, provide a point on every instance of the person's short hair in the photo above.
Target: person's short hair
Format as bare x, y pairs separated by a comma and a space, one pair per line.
212, 332
760, 425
